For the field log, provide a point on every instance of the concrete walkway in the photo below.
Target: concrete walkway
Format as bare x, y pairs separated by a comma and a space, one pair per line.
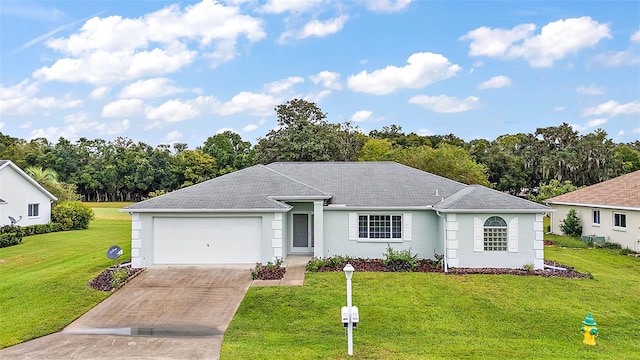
294, 276
164, 313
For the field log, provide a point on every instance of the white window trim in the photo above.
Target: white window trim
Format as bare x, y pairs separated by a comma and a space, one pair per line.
618, 228
512, 235
29, 208
593, 223
405, 228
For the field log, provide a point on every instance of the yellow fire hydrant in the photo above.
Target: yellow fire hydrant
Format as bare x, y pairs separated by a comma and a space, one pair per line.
590, 330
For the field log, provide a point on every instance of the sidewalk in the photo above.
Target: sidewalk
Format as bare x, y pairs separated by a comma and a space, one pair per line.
294, 276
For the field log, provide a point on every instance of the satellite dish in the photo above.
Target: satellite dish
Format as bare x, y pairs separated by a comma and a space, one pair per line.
13, 220
114, 252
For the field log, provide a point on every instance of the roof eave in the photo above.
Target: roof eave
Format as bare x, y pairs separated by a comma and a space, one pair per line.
257, 210
601, 206
377, 208
514, 211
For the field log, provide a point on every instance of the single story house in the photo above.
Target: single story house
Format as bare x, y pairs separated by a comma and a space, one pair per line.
325, 209
22, 199
610, 209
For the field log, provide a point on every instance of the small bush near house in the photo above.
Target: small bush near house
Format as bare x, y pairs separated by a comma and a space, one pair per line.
10, 239
400, 260
271, 271
72, 215
571, 226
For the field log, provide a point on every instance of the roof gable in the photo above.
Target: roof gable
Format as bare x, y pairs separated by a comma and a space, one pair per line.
479, 198
622, 191
9, 164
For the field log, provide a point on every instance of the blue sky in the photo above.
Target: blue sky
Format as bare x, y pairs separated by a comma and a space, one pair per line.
164, 71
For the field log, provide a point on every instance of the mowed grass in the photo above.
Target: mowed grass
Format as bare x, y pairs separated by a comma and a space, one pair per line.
43, 281
436, 316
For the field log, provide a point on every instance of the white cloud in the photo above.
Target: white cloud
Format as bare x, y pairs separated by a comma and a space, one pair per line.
362, 115
221, 130
620, 133
100, 92
1, 125
26, 125
621, 58
328, 79
247, 102
635, 37
613, 108
589, 124
173, 111
421, 70
424, 132
495, 82
559, 108
123, 108
556, 40
151, 88
115, 49
280, 86
635, 130
249, 127
295, 6
317, 97
387, 6
78, 125
445, 104
315, 28
590, 90
173, 136
20, 99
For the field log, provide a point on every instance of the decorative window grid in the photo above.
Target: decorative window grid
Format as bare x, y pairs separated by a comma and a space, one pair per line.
495, 234
380, 226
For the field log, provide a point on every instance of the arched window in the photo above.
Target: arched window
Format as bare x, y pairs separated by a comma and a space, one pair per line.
495, 234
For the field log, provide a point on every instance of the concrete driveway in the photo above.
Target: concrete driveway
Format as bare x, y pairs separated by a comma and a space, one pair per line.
164, 313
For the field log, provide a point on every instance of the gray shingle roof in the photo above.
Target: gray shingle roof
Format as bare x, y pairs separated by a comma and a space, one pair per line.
374, 184
2, 162
477, 198
354, 184
250, 188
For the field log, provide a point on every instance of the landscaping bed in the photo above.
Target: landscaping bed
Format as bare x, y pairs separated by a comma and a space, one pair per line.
113, 278
428, 265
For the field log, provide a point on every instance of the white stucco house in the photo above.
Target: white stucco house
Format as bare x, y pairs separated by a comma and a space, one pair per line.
610, 209
336, 208
22, 198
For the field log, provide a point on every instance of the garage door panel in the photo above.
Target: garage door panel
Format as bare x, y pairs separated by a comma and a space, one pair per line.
207, 240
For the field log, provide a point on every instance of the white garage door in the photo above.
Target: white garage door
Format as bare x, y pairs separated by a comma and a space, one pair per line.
207, 240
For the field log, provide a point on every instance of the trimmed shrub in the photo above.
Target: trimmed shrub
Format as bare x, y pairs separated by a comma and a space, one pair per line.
571, 226
10, 239
72, 215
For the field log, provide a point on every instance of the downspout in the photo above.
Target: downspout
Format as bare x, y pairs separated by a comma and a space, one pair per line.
444, 240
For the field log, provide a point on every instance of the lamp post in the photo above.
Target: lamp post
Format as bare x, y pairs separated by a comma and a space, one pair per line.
348, 272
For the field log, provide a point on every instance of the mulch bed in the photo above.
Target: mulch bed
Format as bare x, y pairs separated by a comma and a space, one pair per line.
103, 282
377, 265
268, 273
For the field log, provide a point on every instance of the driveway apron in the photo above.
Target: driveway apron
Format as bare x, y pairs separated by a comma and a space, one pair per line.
164, 313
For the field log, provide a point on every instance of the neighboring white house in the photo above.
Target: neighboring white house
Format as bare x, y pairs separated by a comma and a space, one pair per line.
336, 208
22, 198
610, 209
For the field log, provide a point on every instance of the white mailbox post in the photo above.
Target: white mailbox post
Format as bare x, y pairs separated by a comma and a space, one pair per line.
349, 314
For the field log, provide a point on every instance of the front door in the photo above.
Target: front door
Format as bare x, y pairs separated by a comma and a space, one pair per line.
302, 234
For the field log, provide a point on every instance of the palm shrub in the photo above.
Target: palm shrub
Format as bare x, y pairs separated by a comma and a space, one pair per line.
571, 226
72, 215
399, 260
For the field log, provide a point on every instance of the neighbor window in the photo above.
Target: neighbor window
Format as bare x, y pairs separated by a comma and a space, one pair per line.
495, 234
620, 220
380, 226
34, 210
596, 217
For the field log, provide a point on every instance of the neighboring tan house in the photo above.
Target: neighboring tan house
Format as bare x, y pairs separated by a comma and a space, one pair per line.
22, 198
325, 209
610, 209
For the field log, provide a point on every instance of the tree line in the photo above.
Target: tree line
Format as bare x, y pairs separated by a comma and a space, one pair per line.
124, 170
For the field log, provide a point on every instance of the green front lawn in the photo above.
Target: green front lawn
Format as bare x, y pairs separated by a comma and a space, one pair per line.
43, 280
436, 316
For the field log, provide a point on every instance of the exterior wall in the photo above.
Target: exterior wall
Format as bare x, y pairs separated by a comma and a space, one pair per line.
424, 236
629, 237
273, 226
19, 193
528, 249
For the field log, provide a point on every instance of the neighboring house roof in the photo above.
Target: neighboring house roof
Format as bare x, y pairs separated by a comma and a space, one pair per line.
349, 184
620, 192
9, 163
2, 201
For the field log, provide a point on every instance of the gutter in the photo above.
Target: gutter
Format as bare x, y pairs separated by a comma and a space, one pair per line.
444, 242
